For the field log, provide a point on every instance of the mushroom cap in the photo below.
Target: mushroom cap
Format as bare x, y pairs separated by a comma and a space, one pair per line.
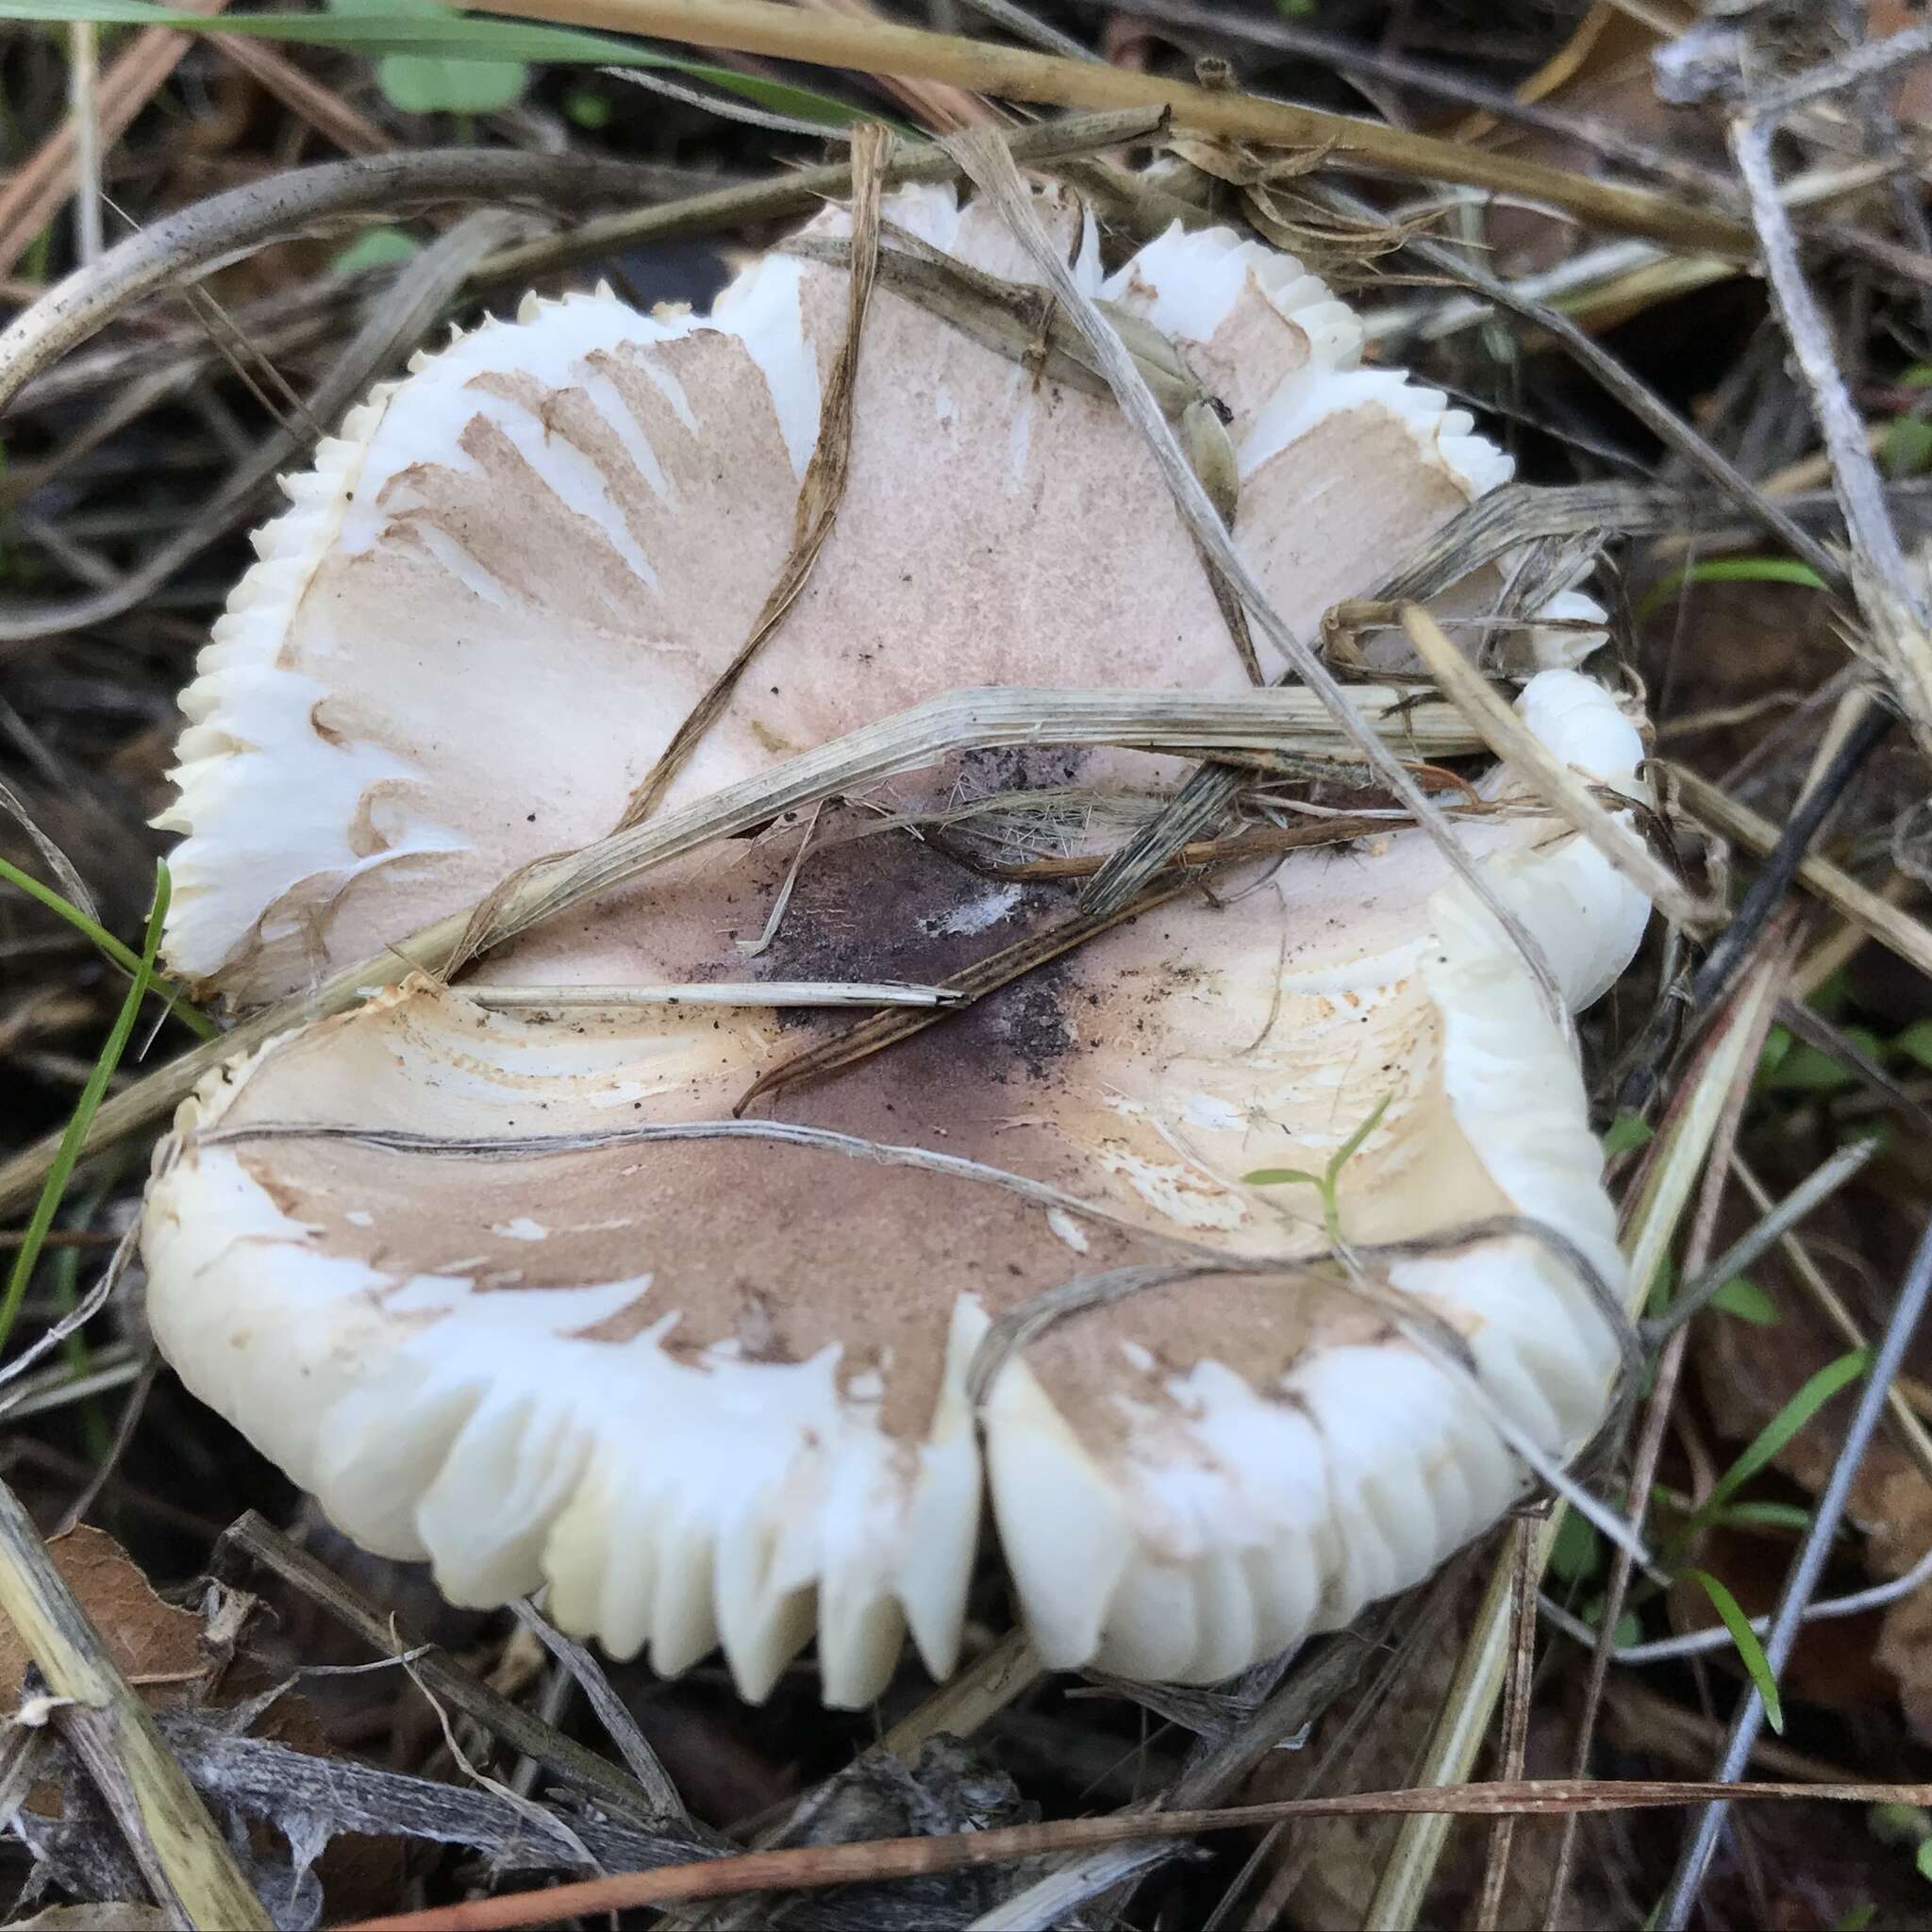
500, 590
515, 1292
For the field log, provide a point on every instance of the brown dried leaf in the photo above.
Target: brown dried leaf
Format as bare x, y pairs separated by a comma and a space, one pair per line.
153, 1643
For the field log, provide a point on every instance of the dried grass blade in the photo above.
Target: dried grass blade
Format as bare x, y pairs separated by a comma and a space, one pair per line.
179, 250
817, 1866
807, 188
958, 721
32, 198
993, 169
612, 1712
612, 1788
966, 987
1258, 841
56, 860
712, 992
758, 26
823, 489
1869, 911
396, 320
174, 1842
1568, 796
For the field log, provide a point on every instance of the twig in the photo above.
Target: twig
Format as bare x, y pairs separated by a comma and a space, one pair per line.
1817, 1186
760, 26
1518, 1691
1906, 1428
1785, 861
1214, 1769
969, 985
1023, 26
131, 1413
877, 1859
1595, 360
1348, 57
76, 1317
176, 251
401, 316
1807, 1567
181, 1852
252, 1536
612, 1712
721, 993
1863, 63
1894, 929
1896, 616
962, 1704
1699, 1642
806, 190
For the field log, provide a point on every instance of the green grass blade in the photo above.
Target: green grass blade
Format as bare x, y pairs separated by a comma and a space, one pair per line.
1743, 1297
1731, 570
1749, 1650
449, 37
91, 1094
1764, 1446
123, 957
1761, 1516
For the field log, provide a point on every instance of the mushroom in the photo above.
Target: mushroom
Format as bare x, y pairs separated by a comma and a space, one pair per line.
527, 1293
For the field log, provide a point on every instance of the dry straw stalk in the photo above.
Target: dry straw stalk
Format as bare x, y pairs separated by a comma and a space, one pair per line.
958, 721
1018, 74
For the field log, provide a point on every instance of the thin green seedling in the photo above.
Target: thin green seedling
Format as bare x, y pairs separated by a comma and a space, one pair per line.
1328, 1182
1908, 448
1915, 1042
123, 957
1731, 569
1750, 1652
428, 84
1907, 1825
1742, 1297
55, 1185
1627, 1132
